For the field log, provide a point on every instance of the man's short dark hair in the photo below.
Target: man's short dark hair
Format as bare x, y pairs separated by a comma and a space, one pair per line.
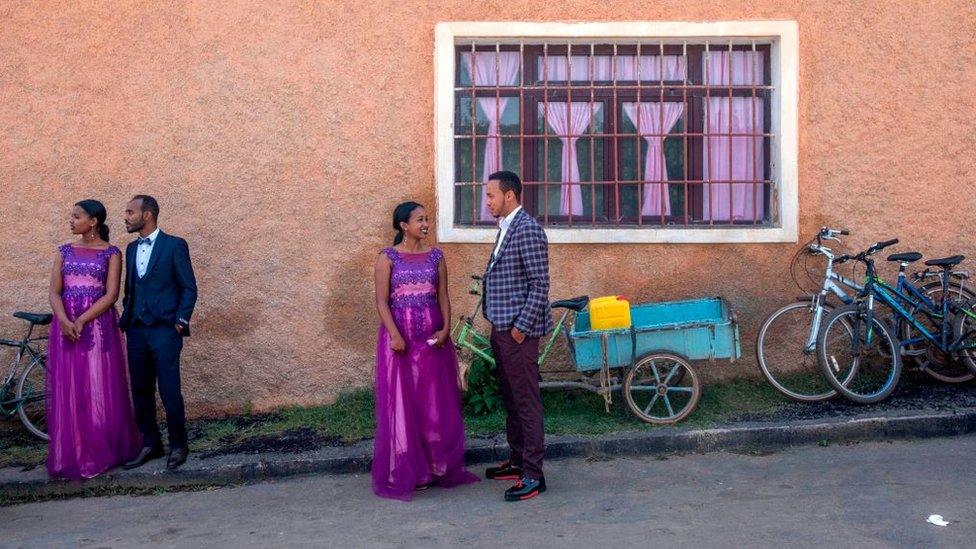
149, 204
508, 181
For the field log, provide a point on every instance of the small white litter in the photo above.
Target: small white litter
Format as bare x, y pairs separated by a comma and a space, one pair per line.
937, 520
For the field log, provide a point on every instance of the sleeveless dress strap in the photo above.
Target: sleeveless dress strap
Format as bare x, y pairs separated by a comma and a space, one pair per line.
110, 251
391, 254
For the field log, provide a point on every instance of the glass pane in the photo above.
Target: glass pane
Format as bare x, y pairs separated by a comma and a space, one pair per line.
674, 159
464, 197
463, 71
509, 123
463, 174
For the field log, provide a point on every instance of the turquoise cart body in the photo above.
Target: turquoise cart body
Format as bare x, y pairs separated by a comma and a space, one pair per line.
697, 329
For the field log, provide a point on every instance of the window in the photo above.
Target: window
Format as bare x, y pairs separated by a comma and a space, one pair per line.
653, 137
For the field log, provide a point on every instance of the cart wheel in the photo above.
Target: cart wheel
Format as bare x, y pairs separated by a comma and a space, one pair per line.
662, 388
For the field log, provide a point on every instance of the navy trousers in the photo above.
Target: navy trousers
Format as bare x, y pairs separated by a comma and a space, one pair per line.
154, 357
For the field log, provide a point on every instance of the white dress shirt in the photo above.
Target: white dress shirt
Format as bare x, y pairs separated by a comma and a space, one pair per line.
144, 252
503, 225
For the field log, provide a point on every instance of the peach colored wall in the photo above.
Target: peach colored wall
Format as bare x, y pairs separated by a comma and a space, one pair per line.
278, 136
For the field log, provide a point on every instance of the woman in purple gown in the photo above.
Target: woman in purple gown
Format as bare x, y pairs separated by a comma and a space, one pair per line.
89, 410
419, 430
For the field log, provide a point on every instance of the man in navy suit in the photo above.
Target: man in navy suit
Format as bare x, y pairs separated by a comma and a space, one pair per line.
160, 292
516, 303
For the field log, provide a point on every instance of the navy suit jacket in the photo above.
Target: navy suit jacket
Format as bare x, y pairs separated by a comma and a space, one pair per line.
171, 288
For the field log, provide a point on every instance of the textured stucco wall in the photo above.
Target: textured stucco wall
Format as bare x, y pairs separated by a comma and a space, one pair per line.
278, 137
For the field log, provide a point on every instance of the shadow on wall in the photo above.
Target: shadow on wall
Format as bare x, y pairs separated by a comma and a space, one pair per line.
349, 313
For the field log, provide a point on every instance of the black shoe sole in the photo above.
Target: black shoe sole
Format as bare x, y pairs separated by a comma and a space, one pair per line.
541, 488
524, 497
504, 477
510, 474
128, 466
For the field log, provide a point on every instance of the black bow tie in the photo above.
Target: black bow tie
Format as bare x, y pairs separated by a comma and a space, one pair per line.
146, 240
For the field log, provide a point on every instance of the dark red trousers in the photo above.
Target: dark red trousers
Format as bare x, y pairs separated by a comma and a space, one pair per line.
518, 375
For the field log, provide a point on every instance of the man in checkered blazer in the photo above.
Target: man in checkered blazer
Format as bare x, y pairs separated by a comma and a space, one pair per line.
516, 303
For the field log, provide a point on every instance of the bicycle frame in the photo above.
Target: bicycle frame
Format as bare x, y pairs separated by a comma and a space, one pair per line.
9, 406
833, 283
893, 298
467, 337
876, 289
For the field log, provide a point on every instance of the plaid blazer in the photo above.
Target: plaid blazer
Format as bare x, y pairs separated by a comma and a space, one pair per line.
516, 291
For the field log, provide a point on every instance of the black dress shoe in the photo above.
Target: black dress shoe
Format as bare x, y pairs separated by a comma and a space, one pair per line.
505, 471
147, 454
177, 457
525, 488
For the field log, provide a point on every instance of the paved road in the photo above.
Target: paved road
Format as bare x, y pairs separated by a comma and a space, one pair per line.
870, 495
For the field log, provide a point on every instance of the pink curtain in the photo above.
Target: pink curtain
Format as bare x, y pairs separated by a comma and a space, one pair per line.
482, 67
577, 69
650, 67
569, 121
737, 158
746, 66
653, 121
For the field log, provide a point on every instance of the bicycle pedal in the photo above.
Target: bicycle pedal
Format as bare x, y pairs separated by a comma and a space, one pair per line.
919, 352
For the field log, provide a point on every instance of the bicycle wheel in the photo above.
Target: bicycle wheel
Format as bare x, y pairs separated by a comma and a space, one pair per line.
965, 326
865, 354
31, 393
662, 388
941, 366
781, 350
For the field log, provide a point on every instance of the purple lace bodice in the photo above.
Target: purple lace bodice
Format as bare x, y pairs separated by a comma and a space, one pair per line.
84, 272
414, 278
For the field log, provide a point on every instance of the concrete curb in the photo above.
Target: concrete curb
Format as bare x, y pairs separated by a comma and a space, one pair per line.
754, 437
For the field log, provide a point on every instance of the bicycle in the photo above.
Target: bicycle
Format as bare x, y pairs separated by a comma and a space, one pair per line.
776, 344
22, 391
867, 353
777, 351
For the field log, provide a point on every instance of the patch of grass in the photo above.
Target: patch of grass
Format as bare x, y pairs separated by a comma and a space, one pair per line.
351, 418
721, 402
18, 448
583, 413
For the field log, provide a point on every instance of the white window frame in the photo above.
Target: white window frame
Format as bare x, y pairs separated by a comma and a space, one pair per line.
784, 37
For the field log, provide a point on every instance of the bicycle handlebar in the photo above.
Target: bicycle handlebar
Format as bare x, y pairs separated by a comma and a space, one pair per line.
886, 243
863, 256
827, 232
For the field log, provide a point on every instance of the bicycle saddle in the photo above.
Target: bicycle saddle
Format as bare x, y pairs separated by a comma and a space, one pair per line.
905, 257
35, 318
946, 261
576, 304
